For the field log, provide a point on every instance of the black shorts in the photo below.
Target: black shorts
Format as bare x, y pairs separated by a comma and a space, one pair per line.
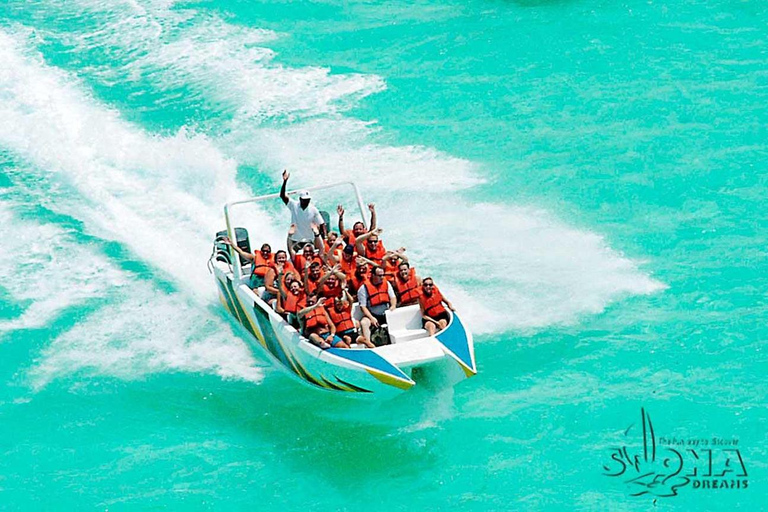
442, 316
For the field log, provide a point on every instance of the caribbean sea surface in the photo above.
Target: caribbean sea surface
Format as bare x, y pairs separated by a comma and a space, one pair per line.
584, 179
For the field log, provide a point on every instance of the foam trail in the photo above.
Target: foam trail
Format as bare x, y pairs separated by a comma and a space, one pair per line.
43, 267
161, 196
539, 270
146, 332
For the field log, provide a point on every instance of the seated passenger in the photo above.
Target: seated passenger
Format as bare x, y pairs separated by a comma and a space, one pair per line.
358, 228
289, 303
334, 245
391, 263
275, 273
347, 328
358, 277
318, 327
433, 314
332, 284
262, 260
407, 285
312, 276
302, 261
369, 246
375, 297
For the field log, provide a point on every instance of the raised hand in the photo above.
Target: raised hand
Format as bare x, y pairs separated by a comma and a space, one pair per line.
371, 207
400, 250
292, 229
286, 175
340, 210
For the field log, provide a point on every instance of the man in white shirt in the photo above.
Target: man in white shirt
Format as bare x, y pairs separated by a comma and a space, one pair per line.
303, 215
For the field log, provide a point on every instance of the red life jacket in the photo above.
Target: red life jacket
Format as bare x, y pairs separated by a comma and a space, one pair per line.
356, 281
408, 290
315, 317
349, 237
291, 302
342, 319
288, 267
312, 285
377, 294
390, 269
261, 264
432, 304
376, 255
299, 261
348, 267
331, 292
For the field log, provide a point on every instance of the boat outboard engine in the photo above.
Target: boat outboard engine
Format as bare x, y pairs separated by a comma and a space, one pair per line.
221, 250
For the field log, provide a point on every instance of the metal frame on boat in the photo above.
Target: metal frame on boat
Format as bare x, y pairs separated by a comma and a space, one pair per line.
386, 370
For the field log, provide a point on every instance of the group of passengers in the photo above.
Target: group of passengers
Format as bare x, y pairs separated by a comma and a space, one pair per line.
316, 282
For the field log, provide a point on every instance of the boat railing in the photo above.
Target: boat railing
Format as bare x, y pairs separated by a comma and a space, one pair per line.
237, 270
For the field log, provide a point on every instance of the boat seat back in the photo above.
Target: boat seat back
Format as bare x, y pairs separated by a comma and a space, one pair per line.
404, 324
404, 318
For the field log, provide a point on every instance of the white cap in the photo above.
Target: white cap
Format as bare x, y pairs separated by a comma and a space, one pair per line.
304, 194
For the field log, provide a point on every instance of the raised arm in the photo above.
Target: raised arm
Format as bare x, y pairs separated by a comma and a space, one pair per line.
289, 243
283, 195
303, 312
340, 211
246, 255
372, 209
272, 279
362, 238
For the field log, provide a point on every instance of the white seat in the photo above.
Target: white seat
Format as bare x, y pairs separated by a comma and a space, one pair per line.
404, 324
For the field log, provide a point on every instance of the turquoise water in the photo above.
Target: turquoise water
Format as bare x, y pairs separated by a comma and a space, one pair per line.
585, 180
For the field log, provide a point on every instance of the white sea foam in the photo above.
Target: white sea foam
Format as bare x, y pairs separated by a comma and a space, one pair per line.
161, 196
146, 332
529, 270
46, 271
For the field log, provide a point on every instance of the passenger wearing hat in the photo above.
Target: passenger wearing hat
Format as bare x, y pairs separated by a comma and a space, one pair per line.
303, 215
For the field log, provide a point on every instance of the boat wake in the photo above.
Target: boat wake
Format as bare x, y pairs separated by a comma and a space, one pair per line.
159, 196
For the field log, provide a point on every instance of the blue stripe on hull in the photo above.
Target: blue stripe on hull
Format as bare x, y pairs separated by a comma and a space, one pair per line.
456, 341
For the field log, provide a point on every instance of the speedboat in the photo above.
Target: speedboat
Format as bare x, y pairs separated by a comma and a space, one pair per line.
410, 357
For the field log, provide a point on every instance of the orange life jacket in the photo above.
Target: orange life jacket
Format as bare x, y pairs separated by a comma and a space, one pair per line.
291, 302
377, 294
356, 281
376, 255
299, 261
408, 290
390, 269
315, 317
312, 285
432, 304
349, 237
348, 267
328, 292
288, 267
261, 264
342, 319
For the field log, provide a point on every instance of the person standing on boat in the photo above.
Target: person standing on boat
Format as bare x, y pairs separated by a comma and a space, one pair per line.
303, 215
